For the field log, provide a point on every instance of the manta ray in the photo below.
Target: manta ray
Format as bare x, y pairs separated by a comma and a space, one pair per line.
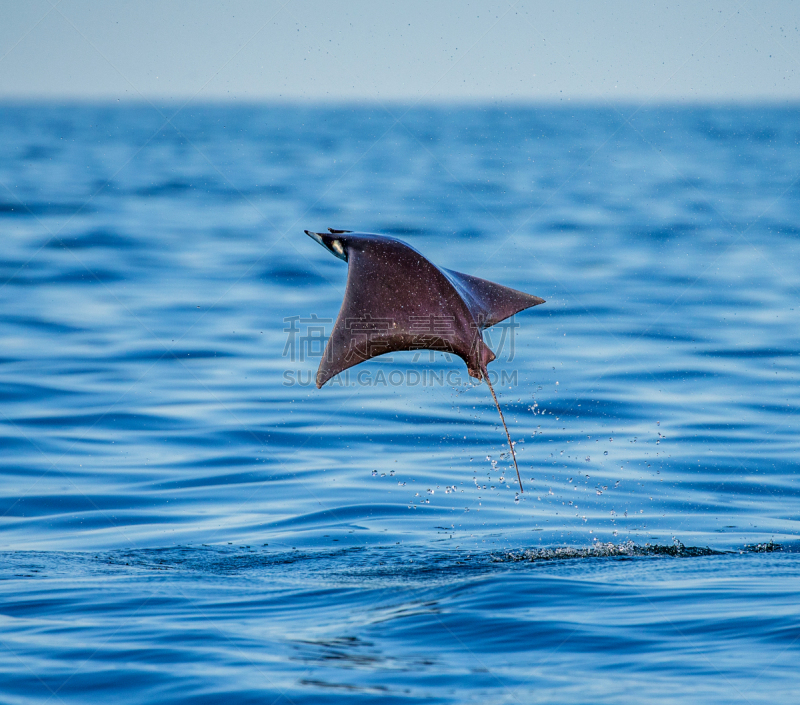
396, 299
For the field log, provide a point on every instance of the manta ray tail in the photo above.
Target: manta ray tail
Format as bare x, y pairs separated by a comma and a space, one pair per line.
508, 435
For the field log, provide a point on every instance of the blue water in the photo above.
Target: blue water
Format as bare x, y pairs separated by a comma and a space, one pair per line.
186, 519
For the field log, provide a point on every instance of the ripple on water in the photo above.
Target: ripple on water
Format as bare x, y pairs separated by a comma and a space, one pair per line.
360, 547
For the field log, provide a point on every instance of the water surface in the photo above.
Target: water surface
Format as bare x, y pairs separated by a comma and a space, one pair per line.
185, 517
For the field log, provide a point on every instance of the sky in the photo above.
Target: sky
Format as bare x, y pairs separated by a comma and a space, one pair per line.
416, 50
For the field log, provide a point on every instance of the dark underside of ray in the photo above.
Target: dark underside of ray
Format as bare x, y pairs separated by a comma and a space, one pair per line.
396, 299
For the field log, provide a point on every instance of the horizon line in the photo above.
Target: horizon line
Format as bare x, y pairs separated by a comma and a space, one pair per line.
686, 101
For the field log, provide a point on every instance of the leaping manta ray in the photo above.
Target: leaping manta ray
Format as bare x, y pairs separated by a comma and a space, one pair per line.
396, 300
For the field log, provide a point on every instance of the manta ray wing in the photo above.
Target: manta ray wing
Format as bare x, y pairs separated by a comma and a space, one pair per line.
488, 302
395, 300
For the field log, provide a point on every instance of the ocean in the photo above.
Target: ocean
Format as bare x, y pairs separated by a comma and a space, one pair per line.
186, 518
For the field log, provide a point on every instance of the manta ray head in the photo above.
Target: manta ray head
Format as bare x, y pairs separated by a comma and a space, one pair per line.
333, 242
